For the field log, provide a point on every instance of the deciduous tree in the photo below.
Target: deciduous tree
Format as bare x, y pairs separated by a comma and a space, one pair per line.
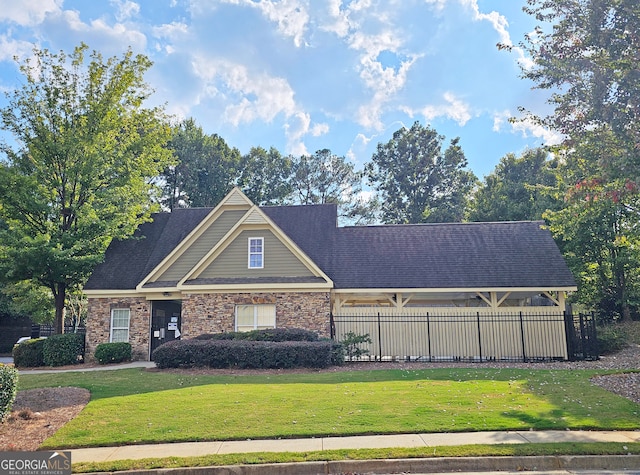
265, 176
80, 174
417, 181
519, 189
328, 178
205, 171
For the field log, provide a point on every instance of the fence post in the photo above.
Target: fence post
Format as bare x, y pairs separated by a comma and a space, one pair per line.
332, 326
429, 337
582, 336
479, 335
570, 335
379, 339
524, 351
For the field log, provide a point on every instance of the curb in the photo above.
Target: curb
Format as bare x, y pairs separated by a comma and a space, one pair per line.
418, 465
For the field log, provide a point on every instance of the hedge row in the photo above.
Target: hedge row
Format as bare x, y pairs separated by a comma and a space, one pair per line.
244, 354
57, 350
267, 334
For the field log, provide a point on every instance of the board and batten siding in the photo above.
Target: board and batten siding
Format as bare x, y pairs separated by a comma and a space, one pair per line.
197, 250
278, 259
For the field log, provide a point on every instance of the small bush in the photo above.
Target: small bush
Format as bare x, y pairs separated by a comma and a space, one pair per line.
29, 354
8, 389
351, 344
63, 349
244, 354
337, 353
611, 339
113, 352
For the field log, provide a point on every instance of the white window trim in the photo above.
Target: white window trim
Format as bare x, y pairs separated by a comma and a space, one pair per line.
250, 253
128, 327
255, 315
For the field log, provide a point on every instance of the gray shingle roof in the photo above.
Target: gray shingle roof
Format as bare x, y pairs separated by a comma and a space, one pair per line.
467, 255
127, 262
456, 255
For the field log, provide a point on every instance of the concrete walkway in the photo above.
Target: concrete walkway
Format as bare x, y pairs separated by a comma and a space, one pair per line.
194, 449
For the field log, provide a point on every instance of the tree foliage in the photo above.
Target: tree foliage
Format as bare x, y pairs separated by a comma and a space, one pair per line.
325, 177
519, 189
598, 232
417, 181
80, 174
589, 60
586, 53
205, 171
265, 176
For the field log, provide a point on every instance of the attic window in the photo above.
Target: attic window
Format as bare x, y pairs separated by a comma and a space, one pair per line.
256, 253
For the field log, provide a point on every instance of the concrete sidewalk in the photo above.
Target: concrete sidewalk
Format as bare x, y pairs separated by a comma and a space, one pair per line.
193, 449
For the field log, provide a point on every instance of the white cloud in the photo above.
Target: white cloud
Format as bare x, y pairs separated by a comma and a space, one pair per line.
252, 97
28, 12
125, 9
98, 34
369, 30
10, 49
453, 108
526, 127
291, 16
501, 26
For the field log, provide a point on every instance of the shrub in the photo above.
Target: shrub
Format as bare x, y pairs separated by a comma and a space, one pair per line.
267, 334
8, 389
351, 344
337, 353
611, 339
29, 354
244, 354
63, 349
113, 352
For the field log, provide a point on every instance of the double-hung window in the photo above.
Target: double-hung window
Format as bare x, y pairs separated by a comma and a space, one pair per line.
255, 317
256, 253
120, 318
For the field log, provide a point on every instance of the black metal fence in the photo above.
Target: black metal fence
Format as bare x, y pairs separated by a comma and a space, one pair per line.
46, 329
472, 337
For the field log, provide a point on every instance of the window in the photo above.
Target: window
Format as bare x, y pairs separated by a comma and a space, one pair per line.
120, 324
256, 253
255, 317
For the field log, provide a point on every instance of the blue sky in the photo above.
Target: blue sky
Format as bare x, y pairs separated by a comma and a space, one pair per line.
303, 75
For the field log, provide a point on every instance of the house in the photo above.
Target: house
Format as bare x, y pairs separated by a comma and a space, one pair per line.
238, 266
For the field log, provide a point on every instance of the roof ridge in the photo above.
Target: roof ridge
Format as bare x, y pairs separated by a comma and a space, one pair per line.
467, 223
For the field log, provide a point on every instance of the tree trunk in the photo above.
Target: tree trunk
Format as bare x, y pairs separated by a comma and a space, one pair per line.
60, 294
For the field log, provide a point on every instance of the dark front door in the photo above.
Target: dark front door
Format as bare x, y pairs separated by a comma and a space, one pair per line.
165, 322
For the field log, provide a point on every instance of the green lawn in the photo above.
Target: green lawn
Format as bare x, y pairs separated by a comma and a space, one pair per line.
136, 406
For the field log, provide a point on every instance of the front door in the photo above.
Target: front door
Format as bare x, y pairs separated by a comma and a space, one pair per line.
165, 322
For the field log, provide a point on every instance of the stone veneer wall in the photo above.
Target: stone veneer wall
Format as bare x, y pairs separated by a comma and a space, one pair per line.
215, 313
99, 324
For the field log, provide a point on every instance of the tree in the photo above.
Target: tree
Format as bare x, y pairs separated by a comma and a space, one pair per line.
418, 182
80, 174
265, 176
586, 53
26, 298
589, 61
327, 178
597, 230
519, 189
205, 171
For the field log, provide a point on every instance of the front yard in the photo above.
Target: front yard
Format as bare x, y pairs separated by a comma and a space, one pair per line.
136, 406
